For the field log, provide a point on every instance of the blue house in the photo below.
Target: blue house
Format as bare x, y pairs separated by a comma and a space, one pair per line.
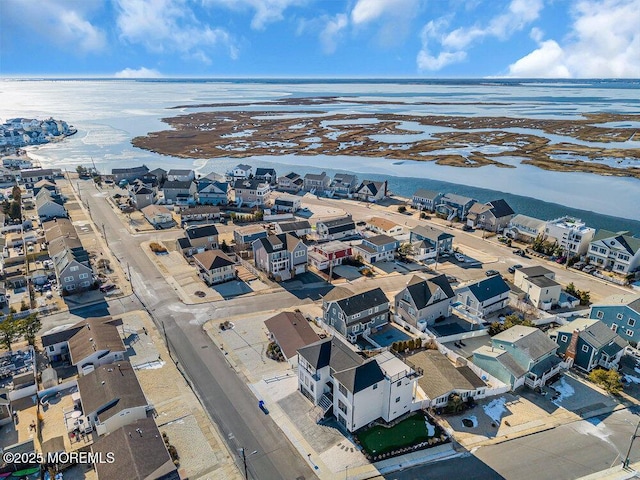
589, 343
210, 192
621, 313
453, 205
520, 356
429, 242
378, 248
424, 199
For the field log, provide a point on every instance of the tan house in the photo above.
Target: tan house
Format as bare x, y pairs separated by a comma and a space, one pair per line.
215, 267
157, 215
385, 226
290, 331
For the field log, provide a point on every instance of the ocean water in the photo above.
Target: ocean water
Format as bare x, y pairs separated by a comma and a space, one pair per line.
109, 113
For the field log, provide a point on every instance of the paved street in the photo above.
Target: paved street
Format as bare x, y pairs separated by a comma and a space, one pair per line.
225, 396
564, 453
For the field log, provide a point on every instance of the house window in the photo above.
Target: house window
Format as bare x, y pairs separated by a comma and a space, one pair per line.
299, 254
356, 328
585, 348
631, 322
342, 389
629, 332
83, 275
375, 386
399, 383
68, 279
563, 339
619, 316
600, 314
342, 407
614, 327
52, 348
74, 269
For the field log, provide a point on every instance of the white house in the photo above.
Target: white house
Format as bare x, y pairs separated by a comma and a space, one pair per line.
356, 391
385, 226
336, 229
371, 191
157, 215
524, 228
619, 252
180, 175
571, 234
241, 171
251, 191
539, 286
214, 267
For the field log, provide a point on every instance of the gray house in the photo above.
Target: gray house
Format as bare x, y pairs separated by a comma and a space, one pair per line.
210, 192
128, 174
493, 216
357, 314
281, 256
589, 343
484, 297
336, 229
180, 192
317, 183
267, 175
48, 207
424, 199
343, 184
453, 205
424, 300
428, 242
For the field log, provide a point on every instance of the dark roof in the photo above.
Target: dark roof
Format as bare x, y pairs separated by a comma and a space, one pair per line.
293, 226
489, 288
282, 241
292, 175
59, 336
440, 376
184, 242
500, 208
178, 171
260, 172
213, 259
600, 335
458, 199
316, 176
543, 282
360, 377
380, 240
200, 210
545, 365
143, 168
339, 224
330, 351
248, 183
291, 331
431, 233
95, 335
243, 166
109, 389
536, 271
139, 450
374, 187
421, 290
177, 185
201, 231
362, 301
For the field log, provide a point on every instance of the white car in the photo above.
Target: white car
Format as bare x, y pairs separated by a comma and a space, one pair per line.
459, 257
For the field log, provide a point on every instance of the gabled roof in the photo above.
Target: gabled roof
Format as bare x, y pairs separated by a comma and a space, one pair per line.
361, 377
177, 185
422, 289
94, 335
621, 299
440, 376
344, 179
595, 333
382, 223
291, 331
457, 199
423, 193
293, 226
139, 450
629, 243
282, 241
360, 302
184, 242
58, 334
201, 231
431, 233
339, 222
212, 187
337, 293
142, 168
488, 288
529, 340
179, 172
316, 176
500, 208
242, 166
212, 259
109, 389
151, 210
529, 222
261, 172
249, 184
372, 186
330, 352
380, 240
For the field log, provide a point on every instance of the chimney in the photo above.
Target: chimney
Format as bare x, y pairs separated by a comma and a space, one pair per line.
570, 353
139, 431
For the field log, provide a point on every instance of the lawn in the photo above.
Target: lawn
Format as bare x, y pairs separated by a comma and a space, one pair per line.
410, 431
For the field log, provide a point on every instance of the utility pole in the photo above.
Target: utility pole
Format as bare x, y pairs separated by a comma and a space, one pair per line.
166, 340
625, 463
244, 461
104, 233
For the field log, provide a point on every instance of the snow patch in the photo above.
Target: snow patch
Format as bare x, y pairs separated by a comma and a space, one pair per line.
495, 409
564, 389
431, 430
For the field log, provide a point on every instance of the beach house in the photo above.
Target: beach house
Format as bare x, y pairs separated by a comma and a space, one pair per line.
267, 175
618, 252
343, 184
424, 199
357, 314
317, 183
424, 300
180, 175
621, 313
371, 191
452, 205
214, 267
484, 297
571, 234
524, 228
385, 226
539, 286
430, 243
336, 229
212, 192
493, 216
291, 182
379, 248
281, 256
251, 192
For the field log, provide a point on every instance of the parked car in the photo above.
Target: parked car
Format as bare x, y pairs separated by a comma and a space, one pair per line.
491, 273
107, 287
452, 279
579, 265
459, 257
513, 268
519, 252
467, 228
561, 260
589, 269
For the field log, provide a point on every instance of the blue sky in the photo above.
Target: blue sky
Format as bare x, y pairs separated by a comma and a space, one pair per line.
320, 38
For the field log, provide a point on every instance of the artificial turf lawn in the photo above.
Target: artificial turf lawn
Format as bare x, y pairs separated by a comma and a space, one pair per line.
410, 431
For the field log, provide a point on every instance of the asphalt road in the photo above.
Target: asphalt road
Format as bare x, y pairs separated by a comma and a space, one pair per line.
223, 393
564, 453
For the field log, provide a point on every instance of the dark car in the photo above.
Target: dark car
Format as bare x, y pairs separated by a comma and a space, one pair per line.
519, 252
513, 268
467, 228
491, 273
107, 287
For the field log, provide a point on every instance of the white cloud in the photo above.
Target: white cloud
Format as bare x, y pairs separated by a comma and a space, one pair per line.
63, 23
332, 31
141, 72
368, 10
454, 44
170, 26
266, 11
604, 41
536, 34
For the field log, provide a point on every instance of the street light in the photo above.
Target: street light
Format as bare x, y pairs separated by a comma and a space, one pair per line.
244, 460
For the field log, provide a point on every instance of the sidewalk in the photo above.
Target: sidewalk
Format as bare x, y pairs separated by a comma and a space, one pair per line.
615, 473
